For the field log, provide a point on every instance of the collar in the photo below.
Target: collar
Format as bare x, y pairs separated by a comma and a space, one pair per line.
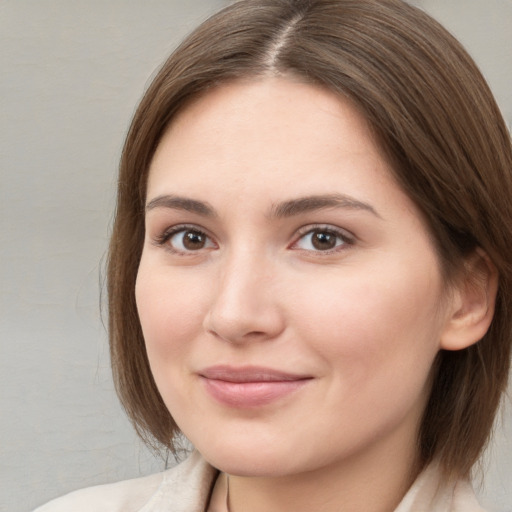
188, 486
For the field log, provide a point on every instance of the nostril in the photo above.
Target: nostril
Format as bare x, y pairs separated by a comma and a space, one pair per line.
240, 310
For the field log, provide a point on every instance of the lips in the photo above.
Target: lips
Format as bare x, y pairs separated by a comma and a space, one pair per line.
250, 386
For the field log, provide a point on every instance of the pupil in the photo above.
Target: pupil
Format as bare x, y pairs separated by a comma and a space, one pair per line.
323, 241
193, 240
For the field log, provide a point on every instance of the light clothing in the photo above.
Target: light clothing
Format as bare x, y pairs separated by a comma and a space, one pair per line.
187, 488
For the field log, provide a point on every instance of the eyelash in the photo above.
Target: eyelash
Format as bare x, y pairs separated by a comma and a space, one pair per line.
347, 239
163, 239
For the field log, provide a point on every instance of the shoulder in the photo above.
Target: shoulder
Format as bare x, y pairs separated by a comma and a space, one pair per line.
181, 488
464, 498
430, 493
129, 496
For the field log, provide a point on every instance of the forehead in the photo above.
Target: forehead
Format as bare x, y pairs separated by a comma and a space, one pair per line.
271, 128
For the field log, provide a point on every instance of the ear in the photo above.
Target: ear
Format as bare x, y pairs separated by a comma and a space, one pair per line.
473, 301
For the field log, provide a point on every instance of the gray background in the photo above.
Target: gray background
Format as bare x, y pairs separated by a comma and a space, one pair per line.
72, 73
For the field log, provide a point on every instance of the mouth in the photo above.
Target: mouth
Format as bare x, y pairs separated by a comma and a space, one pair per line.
250, 386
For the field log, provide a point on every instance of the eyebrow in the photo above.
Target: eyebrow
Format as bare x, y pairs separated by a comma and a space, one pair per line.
279, 210
181, 203
319, 202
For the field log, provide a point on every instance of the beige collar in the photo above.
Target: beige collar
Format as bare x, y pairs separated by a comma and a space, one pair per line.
425, 495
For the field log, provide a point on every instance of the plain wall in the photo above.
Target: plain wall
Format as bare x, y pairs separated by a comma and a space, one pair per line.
72, 73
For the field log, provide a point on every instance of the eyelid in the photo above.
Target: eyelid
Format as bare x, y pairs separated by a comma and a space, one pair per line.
161, 239
347, 237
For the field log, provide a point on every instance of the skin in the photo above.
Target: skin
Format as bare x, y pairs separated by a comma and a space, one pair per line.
363, 321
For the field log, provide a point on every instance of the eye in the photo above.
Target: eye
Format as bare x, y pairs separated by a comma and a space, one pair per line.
186, 240
323, 239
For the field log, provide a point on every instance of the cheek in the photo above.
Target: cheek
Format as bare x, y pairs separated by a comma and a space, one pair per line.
377, 344
170, 313
378, 327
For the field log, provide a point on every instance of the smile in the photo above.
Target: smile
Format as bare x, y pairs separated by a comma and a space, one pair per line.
249, 386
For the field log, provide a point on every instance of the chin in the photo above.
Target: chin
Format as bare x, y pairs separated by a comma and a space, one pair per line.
249, 459
249, 466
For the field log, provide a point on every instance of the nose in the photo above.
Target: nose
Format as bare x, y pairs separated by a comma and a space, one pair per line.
245, 304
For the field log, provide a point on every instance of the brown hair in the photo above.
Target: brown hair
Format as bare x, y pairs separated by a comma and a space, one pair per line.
435, 117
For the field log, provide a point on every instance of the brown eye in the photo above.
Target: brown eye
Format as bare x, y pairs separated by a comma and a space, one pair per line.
323, 240
189, 240
193, 240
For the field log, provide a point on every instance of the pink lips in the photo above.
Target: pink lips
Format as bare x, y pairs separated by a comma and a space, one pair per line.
249, 386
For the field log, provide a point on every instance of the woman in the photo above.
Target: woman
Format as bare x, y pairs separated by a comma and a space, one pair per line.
309, 270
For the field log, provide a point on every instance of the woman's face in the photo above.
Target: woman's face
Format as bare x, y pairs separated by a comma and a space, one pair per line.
289, 293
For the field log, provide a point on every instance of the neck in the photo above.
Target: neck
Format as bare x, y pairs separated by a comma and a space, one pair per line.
370, 482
